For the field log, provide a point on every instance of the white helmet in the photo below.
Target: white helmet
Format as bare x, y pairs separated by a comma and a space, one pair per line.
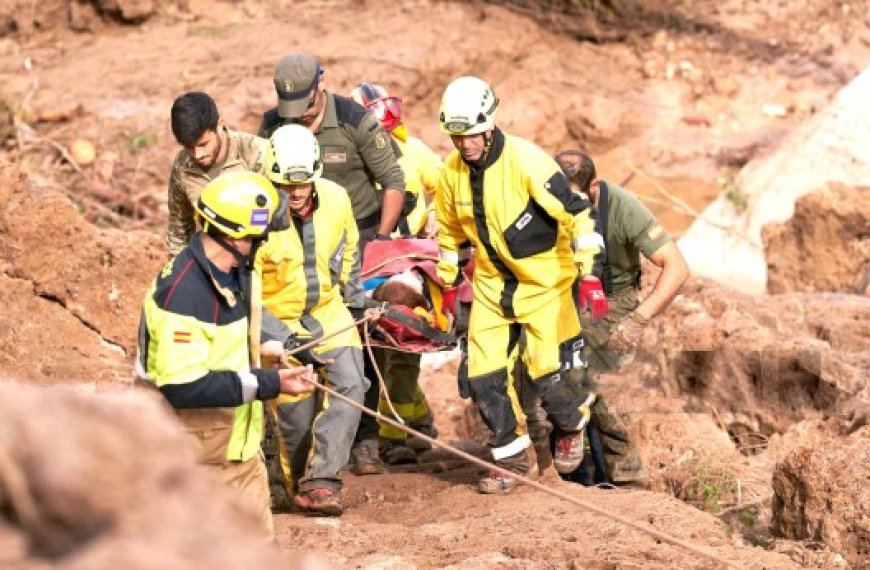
293, 156
468, 107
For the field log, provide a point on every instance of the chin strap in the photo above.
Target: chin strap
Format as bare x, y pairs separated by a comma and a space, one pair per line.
246, 261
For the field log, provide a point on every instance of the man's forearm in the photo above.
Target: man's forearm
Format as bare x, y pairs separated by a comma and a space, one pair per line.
391, 209
666, 287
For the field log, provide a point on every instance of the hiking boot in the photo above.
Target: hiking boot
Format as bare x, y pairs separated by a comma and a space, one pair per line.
569, 451
364, 459
396, 452
418, 443
523, 463
319, 501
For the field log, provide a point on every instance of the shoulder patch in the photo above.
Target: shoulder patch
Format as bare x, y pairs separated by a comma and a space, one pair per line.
380, 141
348, 111
655, 231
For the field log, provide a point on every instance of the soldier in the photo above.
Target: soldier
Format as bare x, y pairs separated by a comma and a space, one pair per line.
629, 230
210, 149
357, 155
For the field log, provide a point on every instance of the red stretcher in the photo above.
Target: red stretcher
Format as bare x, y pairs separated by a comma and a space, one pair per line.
428, 329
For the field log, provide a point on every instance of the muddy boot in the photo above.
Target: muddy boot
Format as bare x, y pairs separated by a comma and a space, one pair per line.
395, 452
497, 483
364, 459
320, 501
570, 449
418, 443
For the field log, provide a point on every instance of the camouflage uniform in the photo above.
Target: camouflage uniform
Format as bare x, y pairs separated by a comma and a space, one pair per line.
245, 152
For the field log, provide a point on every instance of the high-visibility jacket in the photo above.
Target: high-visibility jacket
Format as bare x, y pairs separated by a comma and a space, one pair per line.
305, 267
422, 168
531, 234
194, 346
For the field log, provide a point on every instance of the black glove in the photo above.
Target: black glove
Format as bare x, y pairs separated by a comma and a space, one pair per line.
382, 237
305, 357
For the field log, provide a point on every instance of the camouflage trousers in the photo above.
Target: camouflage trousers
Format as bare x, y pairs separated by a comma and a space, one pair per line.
621, 460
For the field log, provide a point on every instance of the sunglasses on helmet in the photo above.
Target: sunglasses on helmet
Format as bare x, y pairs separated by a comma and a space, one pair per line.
387, 110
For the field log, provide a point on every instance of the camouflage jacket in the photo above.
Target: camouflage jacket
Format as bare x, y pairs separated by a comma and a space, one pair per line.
246, 152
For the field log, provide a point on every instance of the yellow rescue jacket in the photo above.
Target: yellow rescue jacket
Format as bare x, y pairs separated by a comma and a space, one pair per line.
532, 235
306, 266
194, 347
422, 168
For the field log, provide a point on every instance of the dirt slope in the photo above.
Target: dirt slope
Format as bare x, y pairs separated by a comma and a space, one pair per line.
670, 109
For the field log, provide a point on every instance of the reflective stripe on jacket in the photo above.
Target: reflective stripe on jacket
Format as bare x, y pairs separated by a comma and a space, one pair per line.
193, 345
306, 266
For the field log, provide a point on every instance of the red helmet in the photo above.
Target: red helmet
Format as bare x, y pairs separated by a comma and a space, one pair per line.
387, 109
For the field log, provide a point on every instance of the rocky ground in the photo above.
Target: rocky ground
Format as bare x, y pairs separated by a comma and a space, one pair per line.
742, 405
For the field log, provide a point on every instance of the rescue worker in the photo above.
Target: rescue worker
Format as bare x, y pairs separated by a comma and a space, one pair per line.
401, 370
304, 268
534, 240
357, 155
629, 230
199, 337
210, 149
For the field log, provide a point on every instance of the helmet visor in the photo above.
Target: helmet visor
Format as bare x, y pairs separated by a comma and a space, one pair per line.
387, 110
297, 176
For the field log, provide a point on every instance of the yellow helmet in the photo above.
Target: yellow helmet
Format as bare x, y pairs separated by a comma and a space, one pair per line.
468, 107
238, 204
293, 156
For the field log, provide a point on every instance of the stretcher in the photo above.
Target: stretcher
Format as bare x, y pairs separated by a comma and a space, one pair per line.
396, 266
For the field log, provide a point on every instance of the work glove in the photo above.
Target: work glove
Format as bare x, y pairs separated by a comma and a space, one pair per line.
626, 336
305, 357
592, 297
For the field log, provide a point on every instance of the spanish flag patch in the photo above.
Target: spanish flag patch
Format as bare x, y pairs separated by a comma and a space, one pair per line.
181, 336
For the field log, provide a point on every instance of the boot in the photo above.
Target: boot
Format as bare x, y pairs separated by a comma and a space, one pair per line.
497, 483
570, 448
395, 452
319, 501
364, 459
418, 443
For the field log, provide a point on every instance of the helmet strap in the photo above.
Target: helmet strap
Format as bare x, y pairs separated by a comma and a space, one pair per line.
245, 261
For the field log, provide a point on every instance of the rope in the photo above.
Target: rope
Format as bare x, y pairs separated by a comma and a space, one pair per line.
382, 385
664, 537
374, 314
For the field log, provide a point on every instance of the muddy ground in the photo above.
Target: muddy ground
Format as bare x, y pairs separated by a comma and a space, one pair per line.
671, 100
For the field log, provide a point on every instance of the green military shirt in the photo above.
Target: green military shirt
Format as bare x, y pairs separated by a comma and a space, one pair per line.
632, 230
245, 152
357, 154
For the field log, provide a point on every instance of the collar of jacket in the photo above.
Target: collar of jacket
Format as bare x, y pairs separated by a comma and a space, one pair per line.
231, 159
197, 251
330, 117
315, 203
494, 153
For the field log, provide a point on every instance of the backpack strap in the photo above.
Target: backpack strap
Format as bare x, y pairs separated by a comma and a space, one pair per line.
603, 214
